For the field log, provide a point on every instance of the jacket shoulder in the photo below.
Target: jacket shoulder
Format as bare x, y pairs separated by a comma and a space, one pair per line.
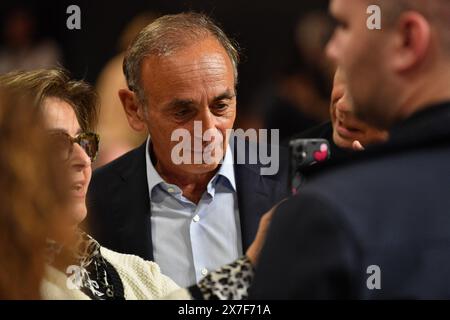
119, 166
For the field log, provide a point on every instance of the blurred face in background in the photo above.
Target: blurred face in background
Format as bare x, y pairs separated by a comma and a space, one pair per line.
195, 83
19, 28
61, 119
346, 127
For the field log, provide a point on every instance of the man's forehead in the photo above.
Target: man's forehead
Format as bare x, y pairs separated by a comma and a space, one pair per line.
335, 6
341, 7
187, 70
207, 63
207, 50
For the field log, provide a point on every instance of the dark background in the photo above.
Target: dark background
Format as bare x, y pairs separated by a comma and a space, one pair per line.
264, 30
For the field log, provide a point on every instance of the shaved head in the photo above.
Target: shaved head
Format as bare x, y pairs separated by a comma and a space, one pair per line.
405, 66
437, 13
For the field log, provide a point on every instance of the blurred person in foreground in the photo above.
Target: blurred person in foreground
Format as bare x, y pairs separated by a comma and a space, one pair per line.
78, 266
190, 217
30, 197
377, 227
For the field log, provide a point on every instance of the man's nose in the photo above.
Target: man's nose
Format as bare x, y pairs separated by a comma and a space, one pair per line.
342, 106
331, 49
207, 119
79, 157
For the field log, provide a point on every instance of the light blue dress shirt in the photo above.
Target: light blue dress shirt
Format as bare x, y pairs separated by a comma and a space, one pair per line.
191, 240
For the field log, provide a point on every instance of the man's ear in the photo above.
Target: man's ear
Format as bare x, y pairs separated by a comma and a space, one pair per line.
133, 110
413, 41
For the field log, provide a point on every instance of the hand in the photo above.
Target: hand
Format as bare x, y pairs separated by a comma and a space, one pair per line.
357, 146
255, 248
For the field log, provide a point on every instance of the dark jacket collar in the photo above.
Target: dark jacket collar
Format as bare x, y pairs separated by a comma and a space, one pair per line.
430, 125
132, 205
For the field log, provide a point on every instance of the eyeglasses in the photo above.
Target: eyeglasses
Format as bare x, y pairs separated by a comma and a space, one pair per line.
63, 144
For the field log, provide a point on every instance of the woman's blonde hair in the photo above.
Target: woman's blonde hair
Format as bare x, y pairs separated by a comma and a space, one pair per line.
30, 195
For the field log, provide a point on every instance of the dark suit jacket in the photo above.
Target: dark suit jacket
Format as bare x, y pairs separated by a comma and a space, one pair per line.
388, 207
119, 208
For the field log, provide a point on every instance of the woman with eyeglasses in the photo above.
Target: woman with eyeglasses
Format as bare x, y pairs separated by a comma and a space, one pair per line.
78, 266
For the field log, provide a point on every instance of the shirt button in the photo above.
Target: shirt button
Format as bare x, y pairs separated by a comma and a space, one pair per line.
197, 219
204, 272
171, 190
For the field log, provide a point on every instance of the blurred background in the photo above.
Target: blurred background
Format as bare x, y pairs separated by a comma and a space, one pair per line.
284, 77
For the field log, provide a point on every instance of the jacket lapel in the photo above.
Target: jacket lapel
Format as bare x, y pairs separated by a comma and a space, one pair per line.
133, 207
256, 193
252, 202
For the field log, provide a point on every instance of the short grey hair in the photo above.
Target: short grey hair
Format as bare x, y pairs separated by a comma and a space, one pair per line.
168, 34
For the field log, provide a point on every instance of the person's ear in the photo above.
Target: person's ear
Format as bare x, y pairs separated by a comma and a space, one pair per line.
133, 110
412, 42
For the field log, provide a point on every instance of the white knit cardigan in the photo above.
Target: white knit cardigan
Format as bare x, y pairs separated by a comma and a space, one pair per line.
142, 280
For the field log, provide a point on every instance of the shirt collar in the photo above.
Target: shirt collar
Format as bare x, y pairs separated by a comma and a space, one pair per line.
226, 171
153, 177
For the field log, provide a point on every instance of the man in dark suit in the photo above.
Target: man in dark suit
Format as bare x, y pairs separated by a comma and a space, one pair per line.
377, 226
171, 201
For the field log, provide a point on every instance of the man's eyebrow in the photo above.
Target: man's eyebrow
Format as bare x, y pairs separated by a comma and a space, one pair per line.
176, 103
179, 103
227, 95
338, 20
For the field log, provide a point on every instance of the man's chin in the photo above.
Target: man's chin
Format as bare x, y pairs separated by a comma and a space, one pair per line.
202, 168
